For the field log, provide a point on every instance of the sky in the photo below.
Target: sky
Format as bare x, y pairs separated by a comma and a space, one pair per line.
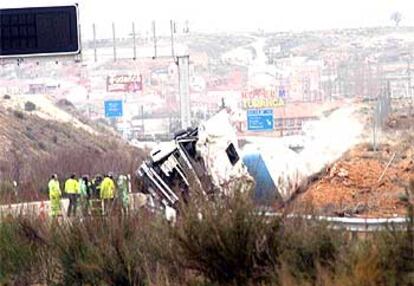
234, 15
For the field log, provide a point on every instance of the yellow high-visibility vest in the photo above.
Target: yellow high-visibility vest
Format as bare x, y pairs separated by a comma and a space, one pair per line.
72, 186
107, 189
54, 189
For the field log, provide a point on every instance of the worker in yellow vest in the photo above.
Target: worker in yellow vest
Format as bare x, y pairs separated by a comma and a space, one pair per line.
54, 195
107, 193
72, 190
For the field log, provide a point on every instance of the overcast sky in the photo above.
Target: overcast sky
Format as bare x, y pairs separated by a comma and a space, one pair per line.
237, 15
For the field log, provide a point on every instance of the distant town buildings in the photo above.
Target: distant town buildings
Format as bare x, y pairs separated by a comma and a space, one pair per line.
297, 76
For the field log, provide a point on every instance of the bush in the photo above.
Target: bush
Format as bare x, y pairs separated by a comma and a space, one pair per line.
102, 252
42, 146
6, 187
94, 251
12, 254
6, 96
18, 114
65, 103
20, 248
398, 261
29, 106
227, 242
303, 254
30, 135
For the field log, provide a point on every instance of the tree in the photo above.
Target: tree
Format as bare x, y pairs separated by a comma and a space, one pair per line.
396, 17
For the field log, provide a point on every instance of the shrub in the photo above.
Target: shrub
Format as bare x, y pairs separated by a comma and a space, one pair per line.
359, 265
6, 187
29, 106
98, 251
102, 251
18, 253
30, 135
312, 247
6, 96
226, 241
18, 114
42, 146
397, 248
65, 103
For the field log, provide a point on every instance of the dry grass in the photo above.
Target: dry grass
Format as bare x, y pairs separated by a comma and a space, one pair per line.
32, 174
33, 148
214, 242
220, 242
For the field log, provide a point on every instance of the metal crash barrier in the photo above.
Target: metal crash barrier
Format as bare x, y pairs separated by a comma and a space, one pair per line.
41, 209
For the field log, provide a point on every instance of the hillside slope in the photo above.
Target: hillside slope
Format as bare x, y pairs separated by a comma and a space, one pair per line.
48, 139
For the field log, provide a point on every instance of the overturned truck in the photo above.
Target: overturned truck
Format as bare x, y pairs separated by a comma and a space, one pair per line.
209, 159
204, 159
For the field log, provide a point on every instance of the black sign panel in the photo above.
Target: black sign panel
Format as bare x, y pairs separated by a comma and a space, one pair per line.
39, 31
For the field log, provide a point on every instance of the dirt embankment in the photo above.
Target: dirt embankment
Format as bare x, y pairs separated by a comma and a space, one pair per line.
33, 147
365, 182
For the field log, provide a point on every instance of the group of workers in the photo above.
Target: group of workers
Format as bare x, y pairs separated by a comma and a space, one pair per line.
83, 189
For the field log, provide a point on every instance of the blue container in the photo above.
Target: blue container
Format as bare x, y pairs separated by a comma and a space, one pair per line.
265, 191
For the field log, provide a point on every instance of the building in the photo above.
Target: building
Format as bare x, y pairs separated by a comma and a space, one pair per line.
289, 119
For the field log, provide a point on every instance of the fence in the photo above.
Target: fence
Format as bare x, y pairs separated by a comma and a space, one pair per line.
382, 110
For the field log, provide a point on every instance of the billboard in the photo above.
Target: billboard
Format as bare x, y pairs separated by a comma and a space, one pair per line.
113, 108
39, 31
261, 98
124, 83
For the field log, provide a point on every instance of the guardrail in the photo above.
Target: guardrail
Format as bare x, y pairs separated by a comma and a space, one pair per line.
42, 208
353, 224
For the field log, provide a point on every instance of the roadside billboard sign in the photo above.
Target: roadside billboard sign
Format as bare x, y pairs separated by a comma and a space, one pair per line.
113, 108
124, 83
261, 98
260, 119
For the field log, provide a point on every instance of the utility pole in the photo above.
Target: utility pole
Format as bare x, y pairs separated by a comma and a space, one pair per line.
184, 89
154, 34
409, 87
142, 119
114, 40
172, 28
134, 40
94, 43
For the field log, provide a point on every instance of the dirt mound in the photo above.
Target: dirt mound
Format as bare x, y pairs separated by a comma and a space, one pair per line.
364, 183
